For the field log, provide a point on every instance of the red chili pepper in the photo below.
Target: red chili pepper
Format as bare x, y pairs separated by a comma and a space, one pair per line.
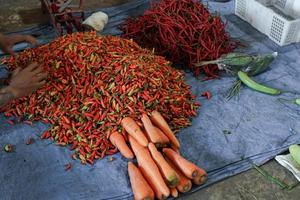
74, 157
29, 141
10, 122
8, 148
90, 161
74, 145
45, 135
28, 123
68, 166
207, 94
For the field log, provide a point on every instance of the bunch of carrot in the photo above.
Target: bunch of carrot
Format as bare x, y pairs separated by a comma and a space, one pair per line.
94, 82
159, 174
184, 31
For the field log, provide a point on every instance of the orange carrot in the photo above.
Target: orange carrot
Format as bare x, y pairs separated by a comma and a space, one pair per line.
153, 135
149, 169
141, 189
157, 191
169, 174
118, 141
150, 130
137, 148
185, 184
174, 192
188, 168
134, 130
164, 138
201, 178
161, 123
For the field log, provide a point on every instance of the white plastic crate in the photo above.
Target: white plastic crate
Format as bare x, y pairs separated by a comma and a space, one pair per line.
278, 19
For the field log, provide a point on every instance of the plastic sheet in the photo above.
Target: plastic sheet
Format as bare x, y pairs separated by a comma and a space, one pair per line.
260, 127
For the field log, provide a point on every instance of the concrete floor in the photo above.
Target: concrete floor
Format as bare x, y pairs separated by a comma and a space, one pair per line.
19, 14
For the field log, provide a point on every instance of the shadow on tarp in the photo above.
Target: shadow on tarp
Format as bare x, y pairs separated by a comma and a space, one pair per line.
260, 127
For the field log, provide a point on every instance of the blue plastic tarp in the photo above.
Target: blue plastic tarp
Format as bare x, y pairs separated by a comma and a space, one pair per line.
260, 127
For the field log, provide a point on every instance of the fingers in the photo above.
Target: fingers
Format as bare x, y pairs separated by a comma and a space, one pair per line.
39, 84
27, 80
16, 71
23, 38
31, 67
37, 70
31, 40
40, 77
27, 91
38, 74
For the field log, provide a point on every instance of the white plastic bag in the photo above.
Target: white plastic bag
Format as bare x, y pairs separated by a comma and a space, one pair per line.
97, 21
288, 162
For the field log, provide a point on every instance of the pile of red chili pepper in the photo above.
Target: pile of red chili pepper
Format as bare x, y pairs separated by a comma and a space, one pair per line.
94, 82
184, 31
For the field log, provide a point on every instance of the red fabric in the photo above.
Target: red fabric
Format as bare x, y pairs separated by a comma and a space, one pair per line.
54, 8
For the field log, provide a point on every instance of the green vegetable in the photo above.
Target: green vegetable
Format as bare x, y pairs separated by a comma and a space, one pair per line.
235, 62
260, 64
256, 86
295, 101
235, 89
226, 132
231, 62
295, 153
8, 148
235, 59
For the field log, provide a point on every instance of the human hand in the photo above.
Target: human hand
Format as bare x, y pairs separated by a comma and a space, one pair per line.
25, 81
7, 42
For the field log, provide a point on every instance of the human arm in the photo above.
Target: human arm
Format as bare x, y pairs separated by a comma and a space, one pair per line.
7, 42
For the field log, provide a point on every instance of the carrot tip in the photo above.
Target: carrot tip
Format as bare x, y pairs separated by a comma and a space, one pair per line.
203, 179
186, 188
173, 183
195, 174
